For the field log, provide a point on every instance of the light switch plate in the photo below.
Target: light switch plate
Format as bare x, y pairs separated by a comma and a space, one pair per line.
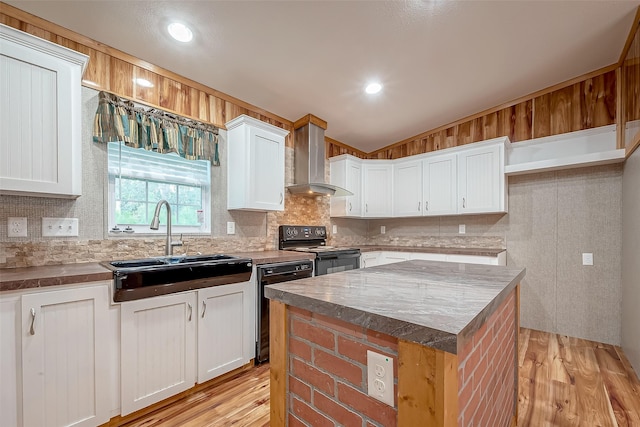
587, 258
380, 377
462, 229
231, 227
16, 226
59, 227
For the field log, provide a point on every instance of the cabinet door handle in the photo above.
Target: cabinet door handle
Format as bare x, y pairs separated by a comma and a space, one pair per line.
204, 308
281, 197
350, 206
190, 311
366, 207
418, 206
32, 330
464, 203
426, 205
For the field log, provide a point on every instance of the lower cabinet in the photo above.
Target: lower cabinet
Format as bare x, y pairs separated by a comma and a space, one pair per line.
158, 343
226, 329
171, 342
375, 258
64, 357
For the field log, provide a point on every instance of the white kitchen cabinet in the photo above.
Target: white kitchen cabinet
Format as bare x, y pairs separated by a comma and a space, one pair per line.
481, 180
255, 171
346, 172
369, 259
377, 188
439, 185
500, 259
389, 257
428, 256
407, 188
158, 349
226, 329
64, 357
40, 124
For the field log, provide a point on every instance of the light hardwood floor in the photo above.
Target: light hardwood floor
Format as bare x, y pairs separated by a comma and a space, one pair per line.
563, 382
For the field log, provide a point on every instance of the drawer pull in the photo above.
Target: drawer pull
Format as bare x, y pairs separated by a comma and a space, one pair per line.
204, 308
32, 330
190, 312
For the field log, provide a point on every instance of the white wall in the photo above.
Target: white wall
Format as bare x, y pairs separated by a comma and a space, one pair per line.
631, 259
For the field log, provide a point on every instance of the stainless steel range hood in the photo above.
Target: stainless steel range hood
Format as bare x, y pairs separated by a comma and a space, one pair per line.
309, 160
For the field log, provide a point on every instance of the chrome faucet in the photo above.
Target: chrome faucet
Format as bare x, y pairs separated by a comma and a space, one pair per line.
155, 224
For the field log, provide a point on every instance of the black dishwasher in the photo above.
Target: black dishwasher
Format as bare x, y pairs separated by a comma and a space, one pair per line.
270, 274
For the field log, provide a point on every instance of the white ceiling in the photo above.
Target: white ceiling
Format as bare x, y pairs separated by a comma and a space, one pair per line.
439, 61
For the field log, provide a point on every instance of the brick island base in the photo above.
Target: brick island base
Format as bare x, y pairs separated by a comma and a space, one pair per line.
319, 376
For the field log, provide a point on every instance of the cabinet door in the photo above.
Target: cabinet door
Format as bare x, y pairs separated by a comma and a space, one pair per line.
158, 349
392, 257
378, 187
40, 129
439, 185
64, 357
479, 180
347, 173
226, 329
266, 178
473, 259
369, 259
407, 189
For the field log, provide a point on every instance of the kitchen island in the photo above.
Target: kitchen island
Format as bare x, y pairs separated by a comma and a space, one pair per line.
451, 328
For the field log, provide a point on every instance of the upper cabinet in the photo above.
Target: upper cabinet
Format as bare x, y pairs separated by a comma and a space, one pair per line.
377, 187
40, 124
346, 172
481, 180
455, 181
255, 171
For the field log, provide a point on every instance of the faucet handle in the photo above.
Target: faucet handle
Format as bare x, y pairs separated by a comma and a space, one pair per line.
177, 242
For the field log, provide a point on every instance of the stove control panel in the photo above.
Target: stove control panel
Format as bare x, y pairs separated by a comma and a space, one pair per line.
302, 232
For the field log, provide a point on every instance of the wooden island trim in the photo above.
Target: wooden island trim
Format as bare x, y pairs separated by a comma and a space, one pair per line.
429, 390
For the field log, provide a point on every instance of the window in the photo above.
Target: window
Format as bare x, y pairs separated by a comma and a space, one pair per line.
139, 179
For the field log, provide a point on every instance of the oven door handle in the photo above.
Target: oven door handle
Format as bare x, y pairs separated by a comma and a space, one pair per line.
337, 256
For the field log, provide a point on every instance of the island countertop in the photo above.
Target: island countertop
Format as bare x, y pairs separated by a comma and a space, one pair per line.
436, 304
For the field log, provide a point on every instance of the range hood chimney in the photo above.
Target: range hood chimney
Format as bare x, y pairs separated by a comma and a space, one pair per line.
309, 159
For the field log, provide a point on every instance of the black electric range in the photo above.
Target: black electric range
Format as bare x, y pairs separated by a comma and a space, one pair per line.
313, 239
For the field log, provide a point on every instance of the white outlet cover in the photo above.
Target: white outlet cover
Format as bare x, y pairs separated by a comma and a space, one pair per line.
334, 229
462, 229
16, 226
380, 377
383, 229
587, 258
231, 227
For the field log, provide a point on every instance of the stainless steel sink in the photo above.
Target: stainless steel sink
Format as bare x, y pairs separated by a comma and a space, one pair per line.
148, 277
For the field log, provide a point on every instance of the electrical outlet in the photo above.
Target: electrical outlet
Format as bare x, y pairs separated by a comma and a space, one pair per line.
380, 377
59, 227
334, 229
231, 227
462, 229
587, 259
16, 227
383, 229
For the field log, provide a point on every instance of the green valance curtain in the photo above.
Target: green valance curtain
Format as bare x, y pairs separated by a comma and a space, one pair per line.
117, 119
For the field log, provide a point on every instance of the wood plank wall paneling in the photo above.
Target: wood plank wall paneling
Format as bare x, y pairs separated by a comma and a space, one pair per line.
582, 105
114, 71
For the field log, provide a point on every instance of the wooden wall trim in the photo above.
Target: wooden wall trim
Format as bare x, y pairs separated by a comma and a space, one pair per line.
621, 106
632, 33
357, 152
278, 338
492, 110
56, 29
310, 118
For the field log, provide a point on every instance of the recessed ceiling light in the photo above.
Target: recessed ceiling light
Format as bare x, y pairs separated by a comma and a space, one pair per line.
373, 88
180, 32
143, 82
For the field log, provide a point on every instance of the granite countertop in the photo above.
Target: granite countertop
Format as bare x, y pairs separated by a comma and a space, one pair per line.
435, 250
436, 304
12, 279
